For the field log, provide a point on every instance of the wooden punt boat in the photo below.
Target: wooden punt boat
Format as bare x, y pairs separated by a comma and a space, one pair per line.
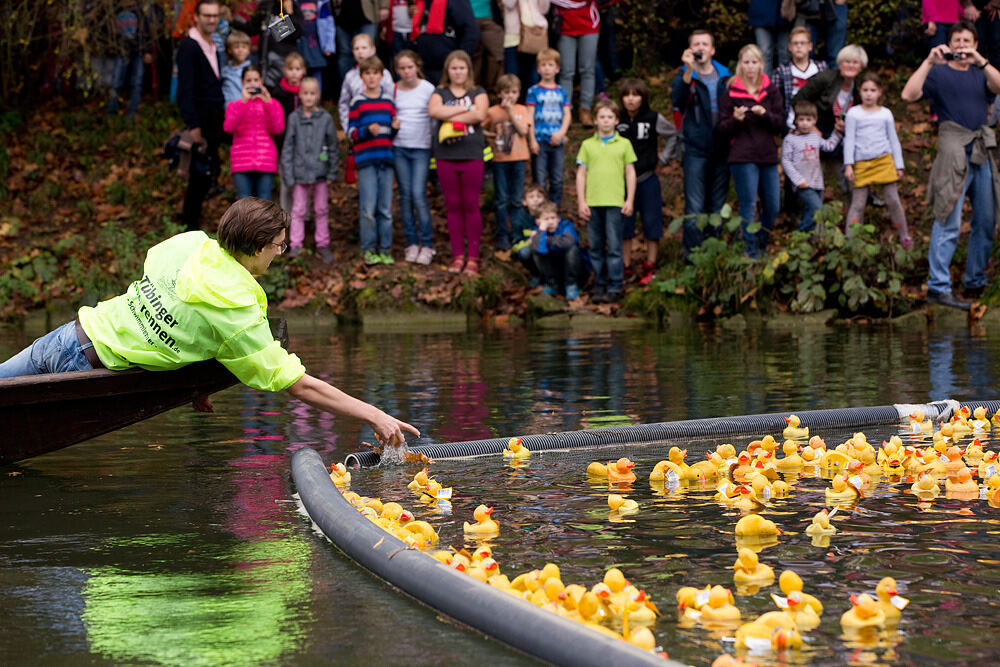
43, 413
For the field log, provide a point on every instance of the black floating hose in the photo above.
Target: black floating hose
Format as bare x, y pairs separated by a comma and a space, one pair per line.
644, 433
500, 615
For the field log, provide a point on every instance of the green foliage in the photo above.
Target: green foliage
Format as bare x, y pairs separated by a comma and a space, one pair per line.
481, 294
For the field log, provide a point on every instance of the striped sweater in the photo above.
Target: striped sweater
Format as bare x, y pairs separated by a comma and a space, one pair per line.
371, 148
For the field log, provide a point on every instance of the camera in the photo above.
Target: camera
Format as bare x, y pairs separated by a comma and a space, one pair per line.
281, 27
254, 90
698, 55
952, 55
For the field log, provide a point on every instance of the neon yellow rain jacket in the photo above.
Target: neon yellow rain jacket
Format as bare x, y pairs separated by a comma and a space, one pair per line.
193, 302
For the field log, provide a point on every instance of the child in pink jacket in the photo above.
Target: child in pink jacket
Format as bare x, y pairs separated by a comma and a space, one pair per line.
254, 120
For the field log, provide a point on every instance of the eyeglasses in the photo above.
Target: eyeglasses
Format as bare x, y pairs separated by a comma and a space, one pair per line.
282, 247
208, 16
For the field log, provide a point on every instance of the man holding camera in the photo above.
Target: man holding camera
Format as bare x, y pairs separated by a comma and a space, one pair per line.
201, 103
695, 95
960, 83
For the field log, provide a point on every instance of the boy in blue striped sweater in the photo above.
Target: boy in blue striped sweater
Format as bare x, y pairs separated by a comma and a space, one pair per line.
371, 125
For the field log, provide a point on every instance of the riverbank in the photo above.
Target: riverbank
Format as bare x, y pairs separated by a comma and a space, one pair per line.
88, 194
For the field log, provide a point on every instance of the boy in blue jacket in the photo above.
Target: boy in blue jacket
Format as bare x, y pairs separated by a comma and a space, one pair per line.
555, 249
695, 96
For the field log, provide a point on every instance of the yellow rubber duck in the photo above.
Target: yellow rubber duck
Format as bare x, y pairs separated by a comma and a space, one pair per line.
918, 424
621, 505
676, 456
890, 601
780, 488
749, 569
864, 614
515, 450
954, 462
340, 475
725, 450
834, 461
890, 448
740, 468
932, 463
423, 531
973, 454
960, 423
795, 604
891, 457
963, 487
597, 469
620, 471
794, 428
667, 472
637, 605
817, 443
720, 606
979, 423
757, 636
821, 524
762, 487
792, 460
754, 525
995, 419
419, 483
745, 499
484, 524
842, 491
925, 487
989, 465
790, 581
704, 471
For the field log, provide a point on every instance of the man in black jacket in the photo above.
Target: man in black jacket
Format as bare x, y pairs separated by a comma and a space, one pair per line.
201, 104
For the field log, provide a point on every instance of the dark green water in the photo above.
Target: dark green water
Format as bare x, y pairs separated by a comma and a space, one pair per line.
176, 541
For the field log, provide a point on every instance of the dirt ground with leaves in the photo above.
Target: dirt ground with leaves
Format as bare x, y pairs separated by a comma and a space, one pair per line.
85, 194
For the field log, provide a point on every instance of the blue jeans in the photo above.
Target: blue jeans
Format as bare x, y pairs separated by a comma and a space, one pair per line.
833, 30
253, 183
559, 270
508, 191
579, 54
604, 230
752, 180
58, 351
812, 201
345, 59
772, 42
412, 165
549, 164
375, 195
122, 67
706, 182
944, 235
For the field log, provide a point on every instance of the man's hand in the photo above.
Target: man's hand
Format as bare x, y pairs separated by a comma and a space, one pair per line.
688, 58
936, 56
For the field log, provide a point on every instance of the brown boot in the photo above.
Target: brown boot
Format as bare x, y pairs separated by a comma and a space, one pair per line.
586, 119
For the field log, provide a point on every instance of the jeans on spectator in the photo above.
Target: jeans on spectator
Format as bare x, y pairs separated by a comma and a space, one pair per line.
253, 183
526, 257
549, 164
412, 166
375, 198
607, 45
345, 58
836, 33
812, 201
58, 351
578, 54
321, 207
461, 181
773, 42
489, 56
560, 269
752, 180
944, 234
706, 182
940, 36
508, 191
123, 67
604, 230
210, 119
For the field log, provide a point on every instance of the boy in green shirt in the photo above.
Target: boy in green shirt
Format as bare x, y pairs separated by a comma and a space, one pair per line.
605, 190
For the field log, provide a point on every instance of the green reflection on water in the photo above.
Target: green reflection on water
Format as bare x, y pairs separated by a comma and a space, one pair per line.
246, 613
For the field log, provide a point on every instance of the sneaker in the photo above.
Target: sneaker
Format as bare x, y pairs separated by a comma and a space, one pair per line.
946, 299
599, 295
648, 273
325, 255
295, 252
572, 292
615, 295
906, 242
549, 289
371, 258
425, 256
412, 252
386, 258
973, 293
533, 281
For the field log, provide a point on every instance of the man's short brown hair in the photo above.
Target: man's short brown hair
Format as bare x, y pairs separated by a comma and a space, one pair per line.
249, 225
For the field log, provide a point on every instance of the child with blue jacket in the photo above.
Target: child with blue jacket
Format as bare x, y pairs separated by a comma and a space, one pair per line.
555, 249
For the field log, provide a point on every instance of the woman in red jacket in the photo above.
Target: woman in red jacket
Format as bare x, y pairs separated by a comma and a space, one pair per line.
254, 120
751, 117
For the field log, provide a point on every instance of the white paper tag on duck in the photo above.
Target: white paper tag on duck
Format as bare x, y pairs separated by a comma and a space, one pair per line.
831, 513
990, 470
899, 602
757, 643
943, 458
767, 493
780, 601
443, 494
915, 427
982, 493
702, 598
856, 481
693, 613
979, 425
671, 480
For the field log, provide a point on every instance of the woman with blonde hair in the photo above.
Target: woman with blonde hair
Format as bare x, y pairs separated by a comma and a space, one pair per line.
458, 107
751, 117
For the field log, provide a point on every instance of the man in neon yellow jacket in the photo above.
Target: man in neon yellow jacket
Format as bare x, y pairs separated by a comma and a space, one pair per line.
198, 299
